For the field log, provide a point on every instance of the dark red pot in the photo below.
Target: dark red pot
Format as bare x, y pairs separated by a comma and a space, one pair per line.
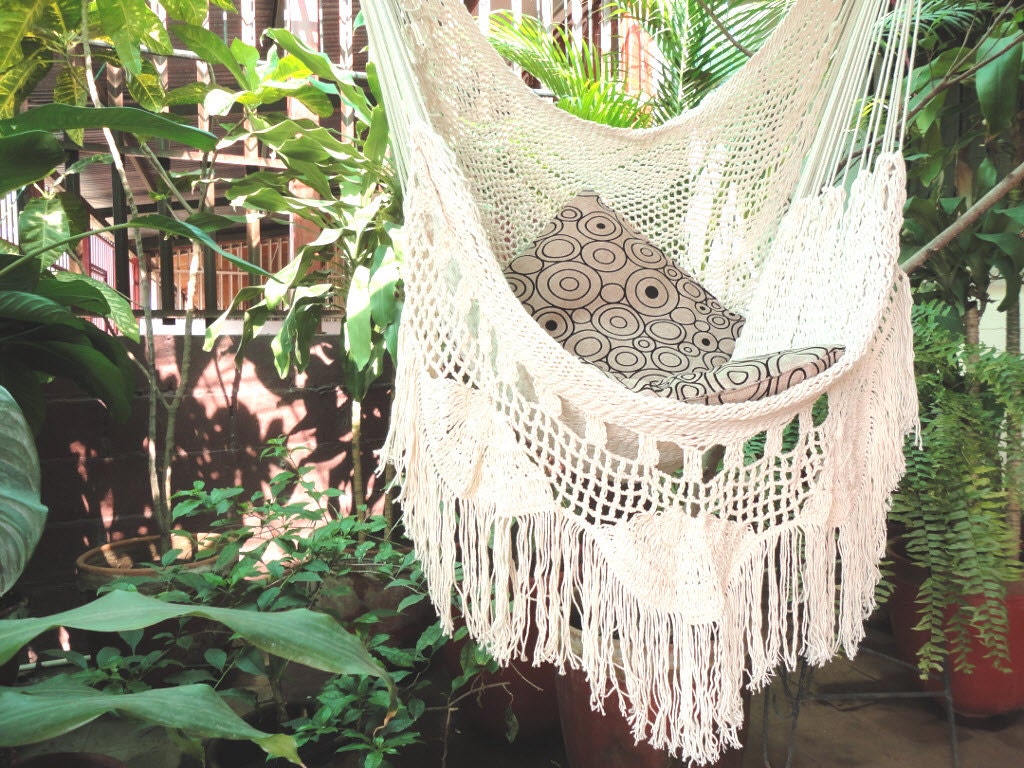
593, 740
528, 692
986, 691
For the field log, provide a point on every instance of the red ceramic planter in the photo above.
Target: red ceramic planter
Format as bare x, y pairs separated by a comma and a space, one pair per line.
986, 691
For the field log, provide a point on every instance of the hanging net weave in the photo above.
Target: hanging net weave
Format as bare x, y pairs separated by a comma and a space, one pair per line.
675, 551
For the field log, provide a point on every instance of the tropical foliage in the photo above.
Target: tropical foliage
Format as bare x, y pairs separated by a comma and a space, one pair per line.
696, 45
958, 508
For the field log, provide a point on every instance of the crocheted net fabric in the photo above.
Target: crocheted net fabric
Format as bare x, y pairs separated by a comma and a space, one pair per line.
537, 489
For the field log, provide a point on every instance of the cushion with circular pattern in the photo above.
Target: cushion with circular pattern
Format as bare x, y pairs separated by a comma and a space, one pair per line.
749, 378
612, 298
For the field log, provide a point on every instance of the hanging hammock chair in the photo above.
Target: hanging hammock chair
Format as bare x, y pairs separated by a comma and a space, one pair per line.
674, 548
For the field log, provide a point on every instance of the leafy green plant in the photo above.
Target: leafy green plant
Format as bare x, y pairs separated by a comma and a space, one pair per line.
950, 507
22, 514
586, 82
357, 208
34, 713
697, 45
958, 508
289, 547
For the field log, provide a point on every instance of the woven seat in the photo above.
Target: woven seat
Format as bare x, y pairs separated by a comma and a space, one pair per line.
535, 483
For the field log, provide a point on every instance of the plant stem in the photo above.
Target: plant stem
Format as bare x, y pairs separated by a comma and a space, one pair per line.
1012, 180
358, 492
159, 513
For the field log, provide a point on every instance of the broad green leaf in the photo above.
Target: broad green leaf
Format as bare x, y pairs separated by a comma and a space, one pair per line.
218, 101
25, 385
321, 65
146, 89
114, 305
17, 18
313, 639
30, 308
83, 364
193, 93
189, 11
70, 88
27, 157
50, 117
44, 229
209, 47
76, 212
358, 327
78, 166
226, 5
170, 225
18, 81
384, 305
129, 23
247, 57
376, 143
22, 514
36, 713
18, 273
998, 82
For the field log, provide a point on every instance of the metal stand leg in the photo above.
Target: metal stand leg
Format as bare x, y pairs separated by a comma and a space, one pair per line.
802, 693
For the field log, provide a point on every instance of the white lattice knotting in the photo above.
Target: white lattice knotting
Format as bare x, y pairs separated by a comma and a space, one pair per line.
565, 497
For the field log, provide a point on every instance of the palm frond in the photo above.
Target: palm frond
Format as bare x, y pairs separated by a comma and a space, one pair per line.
585, 82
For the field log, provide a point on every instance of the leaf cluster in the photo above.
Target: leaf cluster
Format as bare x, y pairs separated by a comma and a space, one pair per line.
951, 503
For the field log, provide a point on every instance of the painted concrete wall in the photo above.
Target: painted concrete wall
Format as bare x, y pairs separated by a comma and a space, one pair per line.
94, 471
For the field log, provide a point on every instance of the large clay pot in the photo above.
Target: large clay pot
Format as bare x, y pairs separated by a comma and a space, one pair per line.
593, 740
525, 691
986, 691
101, 565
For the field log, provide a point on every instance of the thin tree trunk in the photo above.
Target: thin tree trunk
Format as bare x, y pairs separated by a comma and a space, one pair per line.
358, 491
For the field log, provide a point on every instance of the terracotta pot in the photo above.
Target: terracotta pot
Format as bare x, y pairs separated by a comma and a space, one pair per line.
986, 691
68, 760
593, 740
101, 565
528, 692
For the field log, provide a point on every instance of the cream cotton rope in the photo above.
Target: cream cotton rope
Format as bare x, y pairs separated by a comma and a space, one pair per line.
562, 496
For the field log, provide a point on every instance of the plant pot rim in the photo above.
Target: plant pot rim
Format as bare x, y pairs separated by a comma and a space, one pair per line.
112, 560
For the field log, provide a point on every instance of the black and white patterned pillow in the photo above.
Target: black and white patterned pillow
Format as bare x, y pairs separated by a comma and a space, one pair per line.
613, 299
750, 378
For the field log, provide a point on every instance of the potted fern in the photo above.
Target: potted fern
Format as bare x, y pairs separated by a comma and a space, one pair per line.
957, 512
957, 592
